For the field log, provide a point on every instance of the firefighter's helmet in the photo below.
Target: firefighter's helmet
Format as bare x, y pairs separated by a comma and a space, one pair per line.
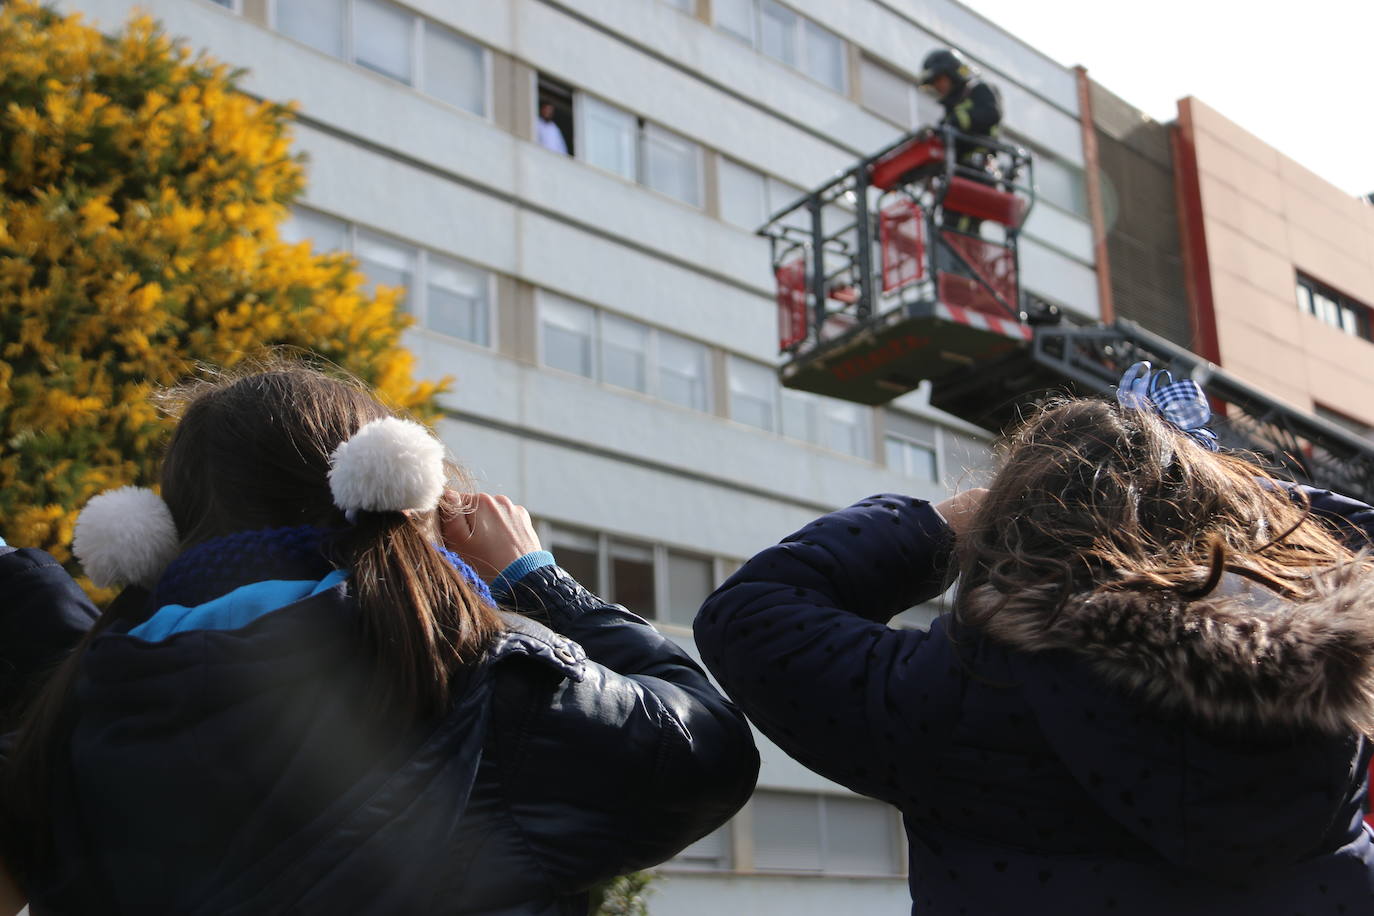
945, 62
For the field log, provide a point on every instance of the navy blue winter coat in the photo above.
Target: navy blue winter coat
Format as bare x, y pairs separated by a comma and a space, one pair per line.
1030, 778
219, 764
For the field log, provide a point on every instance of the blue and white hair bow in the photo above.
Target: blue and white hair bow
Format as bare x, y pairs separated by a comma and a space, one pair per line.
1180, 402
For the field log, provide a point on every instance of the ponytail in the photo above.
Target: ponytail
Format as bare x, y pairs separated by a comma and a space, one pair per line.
420, 619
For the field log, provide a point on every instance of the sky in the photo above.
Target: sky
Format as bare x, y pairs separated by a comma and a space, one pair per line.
1298, 75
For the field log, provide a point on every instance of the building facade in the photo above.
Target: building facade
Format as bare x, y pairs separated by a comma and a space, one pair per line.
592, 283
1280, 267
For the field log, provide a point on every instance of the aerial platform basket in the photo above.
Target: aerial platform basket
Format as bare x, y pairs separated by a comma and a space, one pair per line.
903, 269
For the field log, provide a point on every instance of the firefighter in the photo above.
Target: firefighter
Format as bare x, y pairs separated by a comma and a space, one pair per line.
971, 107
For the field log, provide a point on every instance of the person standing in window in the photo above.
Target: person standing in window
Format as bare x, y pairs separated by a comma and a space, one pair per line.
549, 134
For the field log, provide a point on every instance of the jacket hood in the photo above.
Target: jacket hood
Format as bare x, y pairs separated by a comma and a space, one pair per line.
1242, 658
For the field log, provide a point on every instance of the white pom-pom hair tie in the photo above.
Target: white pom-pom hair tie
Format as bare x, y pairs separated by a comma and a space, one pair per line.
125, 537
389, 465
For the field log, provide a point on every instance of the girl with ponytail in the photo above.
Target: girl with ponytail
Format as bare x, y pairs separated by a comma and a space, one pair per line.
317, 694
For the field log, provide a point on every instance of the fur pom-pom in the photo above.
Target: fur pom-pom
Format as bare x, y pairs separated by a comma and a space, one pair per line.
387, 466
125, 537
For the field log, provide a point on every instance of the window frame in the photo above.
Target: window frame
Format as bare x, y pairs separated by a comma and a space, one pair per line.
1351, 316
488, 70
639, 147
422, 22
550, 530
936, 463
800, 48
653, 364
417, 293
895, 836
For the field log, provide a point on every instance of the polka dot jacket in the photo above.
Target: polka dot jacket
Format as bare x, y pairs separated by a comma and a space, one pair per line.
1129, 761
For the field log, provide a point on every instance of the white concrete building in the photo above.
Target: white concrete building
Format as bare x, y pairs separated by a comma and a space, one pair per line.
608, 315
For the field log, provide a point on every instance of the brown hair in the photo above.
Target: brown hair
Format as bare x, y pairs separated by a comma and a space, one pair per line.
1091, 495
253, 452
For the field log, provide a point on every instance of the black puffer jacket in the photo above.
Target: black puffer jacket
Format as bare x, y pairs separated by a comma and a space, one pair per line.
43, 614
218, 764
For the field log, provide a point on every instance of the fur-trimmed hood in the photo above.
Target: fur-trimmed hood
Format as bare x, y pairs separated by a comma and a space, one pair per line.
1241, 658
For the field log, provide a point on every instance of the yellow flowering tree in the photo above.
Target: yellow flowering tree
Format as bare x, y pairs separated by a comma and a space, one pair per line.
140, 193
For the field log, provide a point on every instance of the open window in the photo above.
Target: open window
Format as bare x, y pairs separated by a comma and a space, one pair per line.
554, 99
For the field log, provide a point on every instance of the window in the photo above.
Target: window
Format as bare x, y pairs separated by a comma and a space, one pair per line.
781, 194
632, 577
748, 197
578, 552
456, 299
683, 371
454, 69
787, 832
554, 116
711, 851
1333, 308
757, 399
780, 33
911, 458
824, 834
386, 263
318, 23
690, 579
608, 137
824, 56
743, 195
619, 142
652, 580
445, 294
325, 233
687, 6
384, 38
844, 427
836, 425
736, 17
860, 837
624, 353
390, 40
753, 394
1061, 184
672, 164
569, 329
910, 446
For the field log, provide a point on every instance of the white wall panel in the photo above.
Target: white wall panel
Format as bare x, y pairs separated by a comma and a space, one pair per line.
383, 193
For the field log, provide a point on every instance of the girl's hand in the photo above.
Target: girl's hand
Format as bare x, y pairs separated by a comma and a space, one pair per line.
959, 509
488, 532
